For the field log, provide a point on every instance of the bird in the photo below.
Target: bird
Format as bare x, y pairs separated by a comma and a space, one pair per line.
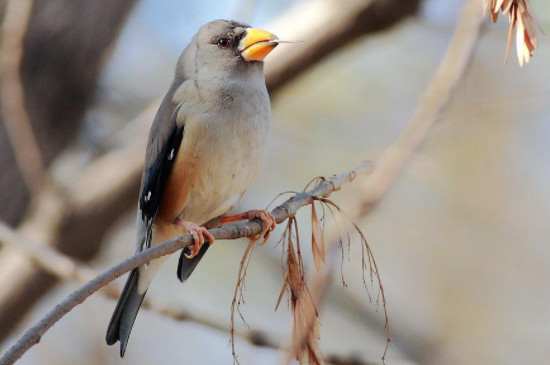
206, 145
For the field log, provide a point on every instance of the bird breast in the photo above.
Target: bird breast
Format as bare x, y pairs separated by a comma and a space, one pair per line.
221, 153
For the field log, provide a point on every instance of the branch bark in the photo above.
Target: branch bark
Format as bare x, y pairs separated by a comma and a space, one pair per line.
230, 231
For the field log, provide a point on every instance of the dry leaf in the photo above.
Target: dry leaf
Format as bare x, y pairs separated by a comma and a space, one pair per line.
282, 293
305, 328
522, 19
317, 239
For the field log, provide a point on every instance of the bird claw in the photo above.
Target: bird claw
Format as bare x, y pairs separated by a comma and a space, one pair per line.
266, 217
265, 234
199, 233
268, 221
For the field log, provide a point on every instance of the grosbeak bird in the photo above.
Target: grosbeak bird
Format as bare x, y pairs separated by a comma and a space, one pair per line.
205, 147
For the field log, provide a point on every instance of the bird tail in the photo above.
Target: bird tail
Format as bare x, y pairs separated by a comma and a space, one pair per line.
125, 313
187, 266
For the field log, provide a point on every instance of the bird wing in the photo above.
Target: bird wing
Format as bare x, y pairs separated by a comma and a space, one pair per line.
162, 148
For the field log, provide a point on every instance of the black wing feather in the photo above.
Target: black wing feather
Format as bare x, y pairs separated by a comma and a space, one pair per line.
155, 178
187, 266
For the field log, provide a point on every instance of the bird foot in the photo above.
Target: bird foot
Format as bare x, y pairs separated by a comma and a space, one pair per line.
266, 217
199, 233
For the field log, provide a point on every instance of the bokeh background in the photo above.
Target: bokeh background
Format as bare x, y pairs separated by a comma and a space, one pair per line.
461, 238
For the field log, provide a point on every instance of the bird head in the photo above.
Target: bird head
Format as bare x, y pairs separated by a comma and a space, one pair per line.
226, 46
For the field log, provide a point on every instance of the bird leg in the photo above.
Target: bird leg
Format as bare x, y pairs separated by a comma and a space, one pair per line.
266, 217
198, 233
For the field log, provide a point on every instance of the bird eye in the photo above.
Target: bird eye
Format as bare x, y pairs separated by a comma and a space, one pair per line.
223, 42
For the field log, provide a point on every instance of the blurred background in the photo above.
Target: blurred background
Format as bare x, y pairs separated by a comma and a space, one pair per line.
461, 238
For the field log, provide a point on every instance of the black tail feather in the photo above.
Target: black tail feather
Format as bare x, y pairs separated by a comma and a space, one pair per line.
186, 266
125, 313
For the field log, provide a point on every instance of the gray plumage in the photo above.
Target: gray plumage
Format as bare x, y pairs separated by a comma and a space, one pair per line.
205, 148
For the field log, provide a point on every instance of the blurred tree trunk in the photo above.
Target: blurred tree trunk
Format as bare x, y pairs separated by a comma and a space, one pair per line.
63, 53
64, 49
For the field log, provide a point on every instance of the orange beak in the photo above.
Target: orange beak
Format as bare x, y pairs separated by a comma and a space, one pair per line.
257, 44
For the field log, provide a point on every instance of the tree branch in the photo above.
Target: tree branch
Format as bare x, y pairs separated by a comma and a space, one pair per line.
230, 231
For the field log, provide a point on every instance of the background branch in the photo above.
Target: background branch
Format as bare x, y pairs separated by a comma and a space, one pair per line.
73, 220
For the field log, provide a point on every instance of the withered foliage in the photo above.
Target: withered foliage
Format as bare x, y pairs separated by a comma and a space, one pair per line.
317, 239
368, 264
303, 302
522, 18
305, 326
238, 297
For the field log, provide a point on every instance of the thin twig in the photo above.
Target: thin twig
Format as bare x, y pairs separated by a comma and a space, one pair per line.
12, 95
238, 294
230, 231
50, 260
